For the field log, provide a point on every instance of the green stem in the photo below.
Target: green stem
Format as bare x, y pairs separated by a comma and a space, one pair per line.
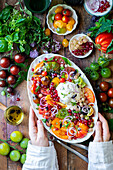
12, 146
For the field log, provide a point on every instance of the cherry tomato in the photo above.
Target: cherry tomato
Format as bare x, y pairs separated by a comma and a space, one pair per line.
94, 75
65, 19
110, 92
5, 62
47, 32
19, 58
3, 74
111, 102
2, 83
94, 66
62, 80
66, 12
65, 43
44, 73
103, 61
103, 97
106, 72
9, 89
104, 86
11, 80
14, 70
58, 16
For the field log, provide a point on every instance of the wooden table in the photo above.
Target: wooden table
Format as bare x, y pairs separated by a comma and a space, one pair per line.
67, 160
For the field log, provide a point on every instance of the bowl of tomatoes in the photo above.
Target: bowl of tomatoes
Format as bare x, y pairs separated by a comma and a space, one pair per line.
62, 19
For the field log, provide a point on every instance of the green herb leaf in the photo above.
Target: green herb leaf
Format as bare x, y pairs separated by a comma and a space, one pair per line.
110, 47
66, 61
38, 87
44, 120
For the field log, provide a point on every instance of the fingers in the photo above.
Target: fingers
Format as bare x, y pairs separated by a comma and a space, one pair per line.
41, 132
98, 132
106, 133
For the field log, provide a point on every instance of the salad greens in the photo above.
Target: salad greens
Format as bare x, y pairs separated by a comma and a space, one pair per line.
20, 27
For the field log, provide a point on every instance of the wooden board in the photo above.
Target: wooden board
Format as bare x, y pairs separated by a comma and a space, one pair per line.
67, 160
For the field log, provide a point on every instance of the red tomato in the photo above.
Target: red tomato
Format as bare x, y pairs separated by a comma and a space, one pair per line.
62, 80
111, 102
44, 91
66, 12
58, 16
44, 73
103, 97
65, 19
110, 92
89, 95
41, 110
104, 86
14, 70
104, 39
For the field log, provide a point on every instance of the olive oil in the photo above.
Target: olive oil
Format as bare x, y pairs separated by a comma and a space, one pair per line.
14, 115
37, 5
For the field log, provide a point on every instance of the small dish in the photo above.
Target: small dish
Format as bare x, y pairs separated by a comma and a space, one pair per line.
96, 13
52, 11
77, 37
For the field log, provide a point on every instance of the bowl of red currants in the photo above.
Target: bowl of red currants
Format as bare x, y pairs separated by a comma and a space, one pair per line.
80, 46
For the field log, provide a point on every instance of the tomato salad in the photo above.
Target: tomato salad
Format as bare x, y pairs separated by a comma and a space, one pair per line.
63, 98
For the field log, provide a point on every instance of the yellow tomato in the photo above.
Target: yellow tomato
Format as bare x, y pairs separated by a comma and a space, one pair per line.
59, 23
59, 9
47, 32
54, 24
69, 27
71, 21
65, 43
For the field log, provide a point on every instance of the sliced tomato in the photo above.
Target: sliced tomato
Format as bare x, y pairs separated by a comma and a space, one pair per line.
69, 69
46, 116
44, 91
59, 60
41, 110
89, 95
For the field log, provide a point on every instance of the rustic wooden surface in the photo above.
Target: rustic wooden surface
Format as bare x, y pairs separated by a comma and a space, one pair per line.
67, 160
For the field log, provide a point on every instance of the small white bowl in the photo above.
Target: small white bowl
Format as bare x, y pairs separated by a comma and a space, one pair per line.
91, 12
77, 36
52, 11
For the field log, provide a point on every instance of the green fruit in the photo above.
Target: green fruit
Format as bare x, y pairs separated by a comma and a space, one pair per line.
24, 143
14, 155
106, 72
61, 30
4, 149
23, 158
94, 75
94, 66
103, 61
16, 136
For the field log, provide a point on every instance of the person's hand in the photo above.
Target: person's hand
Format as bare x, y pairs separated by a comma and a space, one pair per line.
37, 132
102, 133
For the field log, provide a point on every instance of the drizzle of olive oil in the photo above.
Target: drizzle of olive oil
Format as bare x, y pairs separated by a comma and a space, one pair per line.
37, 5
14, 115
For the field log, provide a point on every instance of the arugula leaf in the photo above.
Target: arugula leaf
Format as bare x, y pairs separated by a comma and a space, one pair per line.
110, 123
50, 59
66, 60
110, 47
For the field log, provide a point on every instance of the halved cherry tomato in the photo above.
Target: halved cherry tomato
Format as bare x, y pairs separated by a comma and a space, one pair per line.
58, 16
44, 73
66, 12
41, 110
65, 19
44, 91
89, 95
62, 80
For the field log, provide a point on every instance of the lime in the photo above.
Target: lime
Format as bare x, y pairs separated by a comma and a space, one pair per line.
16, 136
24, 143
23, 158
14, 155
4, 149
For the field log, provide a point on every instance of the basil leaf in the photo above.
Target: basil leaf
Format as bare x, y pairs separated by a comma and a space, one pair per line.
8, 38
15, 36
3, 45
110, 47
66, 61
22, 49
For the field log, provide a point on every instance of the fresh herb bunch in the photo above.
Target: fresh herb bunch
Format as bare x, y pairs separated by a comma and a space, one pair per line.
20, 27
101, 26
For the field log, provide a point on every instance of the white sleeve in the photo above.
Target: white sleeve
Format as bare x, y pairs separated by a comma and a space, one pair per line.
41, 158
100, 156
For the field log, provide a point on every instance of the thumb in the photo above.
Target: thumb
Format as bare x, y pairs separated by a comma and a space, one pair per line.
98, 132
40, 128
